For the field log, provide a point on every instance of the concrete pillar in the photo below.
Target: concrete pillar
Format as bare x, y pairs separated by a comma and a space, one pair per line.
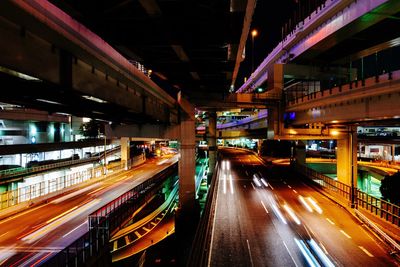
187, 166
393, 149
212, 143
275, 115
125, 152
300, 154
259, 143
347, 158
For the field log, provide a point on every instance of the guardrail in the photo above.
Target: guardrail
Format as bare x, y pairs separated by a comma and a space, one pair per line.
382, 234
59, 184
351, 86
339, 189
200, 250
125, 237
381, 208
92, 248
23, 171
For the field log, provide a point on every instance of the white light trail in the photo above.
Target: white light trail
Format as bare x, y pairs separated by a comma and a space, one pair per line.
231, 183
291, 213
315, 205
322, 256
85, 222
55, 224
306, 253
257, 182
264, 182
224, 179
305, 204
278, 213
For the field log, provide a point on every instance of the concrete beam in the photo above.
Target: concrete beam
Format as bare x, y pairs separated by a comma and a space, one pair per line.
377, 99
42, 40
305, 72
145, 131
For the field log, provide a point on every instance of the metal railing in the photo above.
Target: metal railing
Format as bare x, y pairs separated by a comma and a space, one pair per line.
339, 189
200, 250
22, 171
59, 184
92, 248
381, 208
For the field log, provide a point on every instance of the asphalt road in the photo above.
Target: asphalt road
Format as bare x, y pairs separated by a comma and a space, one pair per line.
31, 236
285, 223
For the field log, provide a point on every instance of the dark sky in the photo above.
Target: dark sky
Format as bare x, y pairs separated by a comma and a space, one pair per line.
268, 19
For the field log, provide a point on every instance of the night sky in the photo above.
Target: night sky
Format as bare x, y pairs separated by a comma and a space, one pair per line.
269, 19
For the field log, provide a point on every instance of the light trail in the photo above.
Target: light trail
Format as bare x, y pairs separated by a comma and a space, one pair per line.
305, 204
322, 256
224, 179
85, 222
291, 213
231, 183
315, 205
52, 226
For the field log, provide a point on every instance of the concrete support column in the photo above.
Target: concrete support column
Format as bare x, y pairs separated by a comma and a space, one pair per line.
393, 149
125, 152
347, 159
212, 143
275, 115
187, 166
300, 154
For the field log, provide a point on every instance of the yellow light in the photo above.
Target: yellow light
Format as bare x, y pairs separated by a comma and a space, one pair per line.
254, 33
335, 132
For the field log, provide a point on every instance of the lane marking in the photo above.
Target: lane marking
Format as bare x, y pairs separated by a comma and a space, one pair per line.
251, 258
270, 186
295, 191
231, 183
115, 245
323, 247
284, 182
262, 203
153, 223
213, 228
247, 173
289, 186
329, 220
366, 251
127, 241
75, 228
343, 232
290, 254
253, 186
144, 228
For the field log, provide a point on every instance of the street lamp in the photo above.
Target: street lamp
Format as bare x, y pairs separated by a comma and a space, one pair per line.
254, 33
